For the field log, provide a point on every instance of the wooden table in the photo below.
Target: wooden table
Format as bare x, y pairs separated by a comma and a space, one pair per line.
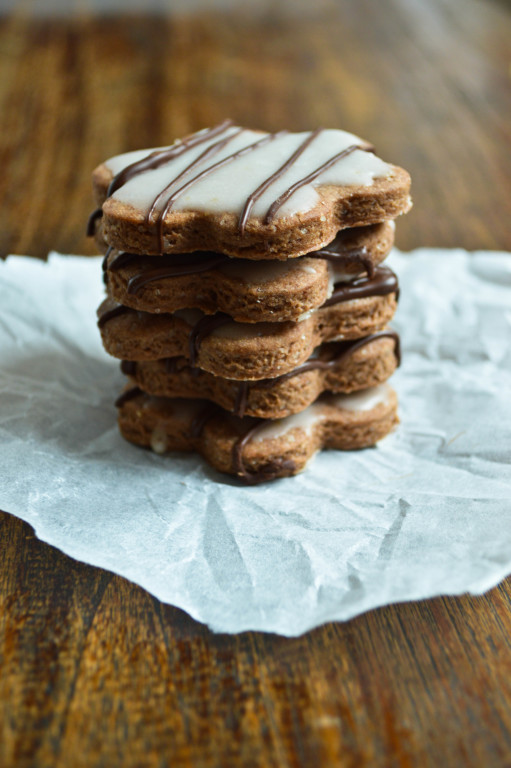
95, 672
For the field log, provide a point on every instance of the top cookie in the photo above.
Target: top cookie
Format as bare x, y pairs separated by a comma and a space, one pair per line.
246, 193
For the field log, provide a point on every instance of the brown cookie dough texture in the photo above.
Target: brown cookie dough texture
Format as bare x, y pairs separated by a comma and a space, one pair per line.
333, 368
125, 228
241, 350
207, 193
246, 296
254, 450
246, 290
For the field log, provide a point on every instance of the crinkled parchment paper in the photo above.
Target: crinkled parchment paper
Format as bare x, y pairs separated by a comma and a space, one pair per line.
426, 513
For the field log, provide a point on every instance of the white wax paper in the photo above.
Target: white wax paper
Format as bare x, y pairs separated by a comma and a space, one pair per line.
425, 513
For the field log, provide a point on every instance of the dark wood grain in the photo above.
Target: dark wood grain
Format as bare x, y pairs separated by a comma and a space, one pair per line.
95, 672
427, 82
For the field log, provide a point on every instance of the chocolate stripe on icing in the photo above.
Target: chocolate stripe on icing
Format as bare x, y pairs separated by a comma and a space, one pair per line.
208, 152
269, 181
382, 283
161, 157
279, 202
153, 161
212, 168
160, 217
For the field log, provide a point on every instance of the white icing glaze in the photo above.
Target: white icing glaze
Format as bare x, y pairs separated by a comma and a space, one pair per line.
227, 188
341, 276
308, 418
362, 401
158, 440
304, 420
337, 275
119, 162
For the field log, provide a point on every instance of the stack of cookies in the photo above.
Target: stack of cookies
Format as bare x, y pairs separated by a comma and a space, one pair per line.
247, 298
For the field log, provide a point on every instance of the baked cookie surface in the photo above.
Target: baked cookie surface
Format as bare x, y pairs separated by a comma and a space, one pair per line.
258, 450
248, 291
225, 348
339, 367
246, 193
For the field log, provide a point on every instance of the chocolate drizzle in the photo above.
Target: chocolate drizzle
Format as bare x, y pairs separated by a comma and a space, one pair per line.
209, 152
153, 161
345, 350
128, 367
383, 282
268, 472
122, 260
175, 265
261, 189
160, 216
182, 264
206, 172
240, 404
90, 229
171, 365
128, 394
284, 467
284, 197
346, 256
104, 263
109, 314
161, 157
278, 467
203, 328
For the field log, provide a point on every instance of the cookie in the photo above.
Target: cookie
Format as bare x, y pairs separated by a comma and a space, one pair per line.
258, 450
245, 193
217, 344
345, 366
246, 290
